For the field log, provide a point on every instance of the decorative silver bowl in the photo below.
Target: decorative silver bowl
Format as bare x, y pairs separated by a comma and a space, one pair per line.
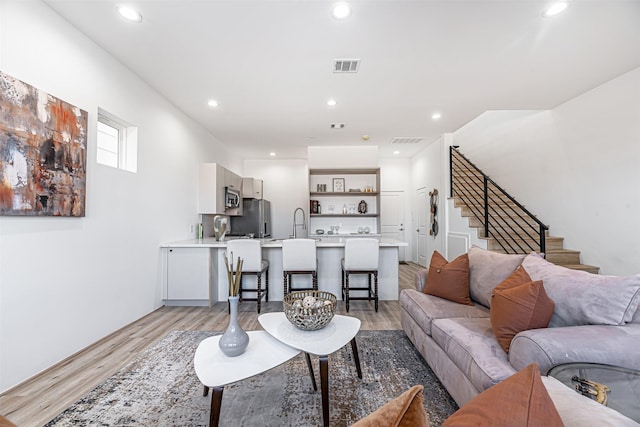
309, 310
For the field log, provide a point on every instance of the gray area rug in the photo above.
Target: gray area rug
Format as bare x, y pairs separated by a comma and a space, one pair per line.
160, 388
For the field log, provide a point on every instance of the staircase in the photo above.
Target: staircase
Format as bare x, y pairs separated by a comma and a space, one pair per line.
506, 225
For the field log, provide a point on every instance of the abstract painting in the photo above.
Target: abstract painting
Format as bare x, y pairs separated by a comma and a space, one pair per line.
43, 152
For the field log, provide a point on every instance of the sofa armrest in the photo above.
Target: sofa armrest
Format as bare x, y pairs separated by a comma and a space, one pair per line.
550, 347
420, 279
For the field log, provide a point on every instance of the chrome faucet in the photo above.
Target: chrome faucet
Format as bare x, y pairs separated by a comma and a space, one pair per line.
295, 224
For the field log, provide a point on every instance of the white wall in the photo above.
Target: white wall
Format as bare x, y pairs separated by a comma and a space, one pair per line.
428, 172
286, 185
576, 166
67, 282
395, 175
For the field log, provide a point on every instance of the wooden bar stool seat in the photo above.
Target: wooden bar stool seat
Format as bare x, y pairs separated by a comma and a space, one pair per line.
252, 265
299, 257
361, 256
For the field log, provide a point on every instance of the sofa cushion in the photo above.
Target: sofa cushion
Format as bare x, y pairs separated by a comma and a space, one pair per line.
424, 308
449, 280
583, 298
486, 270
406, 410
577, 410
518, 309
521, 400
473, 348
605, 344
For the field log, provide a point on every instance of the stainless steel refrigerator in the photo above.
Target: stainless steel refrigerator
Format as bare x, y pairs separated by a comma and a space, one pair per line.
255, 219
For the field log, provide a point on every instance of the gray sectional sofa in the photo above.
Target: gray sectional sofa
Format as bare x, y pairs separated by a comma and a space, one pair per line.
596, 320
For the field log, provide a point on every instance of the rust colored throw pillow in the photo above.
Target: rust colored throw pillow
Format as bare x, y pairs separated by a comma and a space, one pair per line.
5, 422
406, 410
518, 309
449, 280
519, 401
517, 278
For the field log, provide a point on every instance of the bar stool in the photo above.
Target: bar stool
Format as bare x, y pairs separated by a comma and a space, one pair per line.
252, 265
299, 257
360, 257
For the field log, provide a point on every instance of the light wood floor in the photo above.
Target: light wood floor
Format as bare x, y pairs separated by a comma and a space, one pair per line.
44, 396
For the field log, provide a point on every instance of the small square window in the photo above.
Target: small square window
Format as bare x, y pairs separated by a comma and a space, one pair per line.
117, 142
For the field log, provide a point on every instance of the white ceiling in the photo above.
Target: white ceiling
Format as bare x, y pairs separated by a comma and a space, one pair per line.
269, 63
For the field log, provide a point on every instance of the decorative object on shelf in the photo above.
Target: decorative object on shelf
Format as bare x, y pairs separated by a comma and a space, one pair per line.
367, 230
220, 227
338, 185
235, 340
321, 188
362, 207
309, 310
355, 190
43, 152
433, 202
319, 231
314, 207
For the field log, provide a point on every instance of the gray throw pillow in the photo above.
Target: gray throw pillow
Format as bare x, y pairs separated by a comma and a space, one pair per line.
487, 270
583, 298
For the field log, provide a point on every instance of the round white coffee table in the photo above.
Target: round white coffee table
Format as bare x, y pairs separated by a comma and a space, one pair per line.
214, 369
338, 333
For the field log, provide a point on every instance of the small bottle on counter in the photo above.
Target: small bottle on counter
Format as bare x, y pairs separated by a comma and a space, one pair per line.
344, 208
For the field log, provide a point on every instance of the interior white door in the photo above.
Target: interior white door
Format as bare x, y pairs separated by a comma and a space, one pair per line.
422, 229
392, 218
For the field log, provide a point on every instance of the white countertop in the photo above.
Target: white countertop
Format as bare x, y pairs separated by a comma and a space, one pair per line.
333, 241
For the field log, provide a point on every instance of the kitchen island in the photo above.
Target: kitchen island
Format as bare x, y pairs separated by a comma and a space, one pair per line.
194, 271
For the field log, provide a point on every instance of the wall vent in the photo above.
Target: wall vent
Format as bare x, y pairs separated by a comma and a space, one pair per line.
407, 140
337, 125
346, 65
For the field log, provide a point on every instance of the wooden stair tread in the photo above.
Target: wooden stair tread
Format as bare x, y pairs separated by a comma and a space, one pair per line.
505, 227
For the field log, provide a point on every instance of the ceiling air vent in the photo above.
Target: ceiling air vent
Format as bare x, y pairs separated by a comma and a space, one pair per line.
337, 125
407, 140
346, 65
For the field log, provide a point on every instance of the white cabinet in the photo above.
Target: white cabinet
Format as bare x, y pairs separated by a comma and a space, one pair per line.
188, 274
252, 188
211, 189
212, 182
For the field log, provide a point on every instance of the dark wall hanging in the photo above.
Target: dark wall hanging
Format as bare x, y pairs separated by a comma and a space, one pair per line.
433, 203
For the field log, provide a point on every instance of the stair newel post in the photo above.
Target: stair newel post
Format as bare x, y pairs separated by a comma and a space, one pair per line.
486, 206
451, 169
543, 248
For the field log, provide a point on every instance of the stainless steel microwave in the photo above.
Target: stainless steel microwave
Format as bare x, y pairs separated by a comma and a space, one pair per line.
232, 198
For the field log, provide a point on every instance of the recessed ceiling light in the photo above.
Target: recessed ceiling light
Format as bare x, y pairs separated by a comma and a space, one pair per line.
129, 13
341, 11
331, 102
436, 116
212, 103
396, 152
272, 154
556, 8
